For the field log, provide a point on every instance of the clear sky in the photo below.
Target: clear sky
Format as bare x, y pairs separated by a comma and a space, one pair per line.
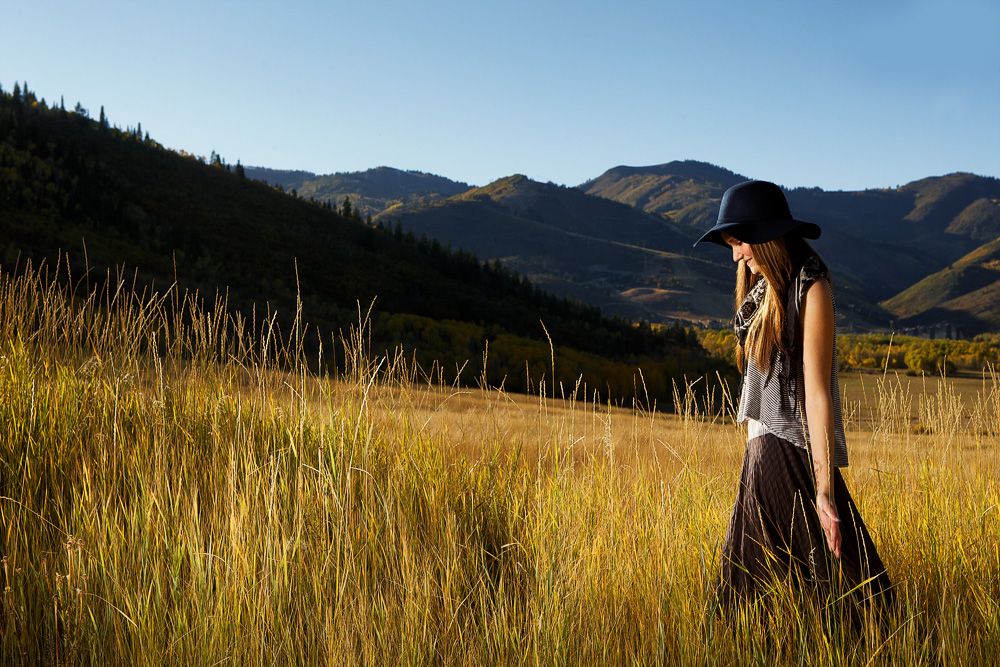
843, 94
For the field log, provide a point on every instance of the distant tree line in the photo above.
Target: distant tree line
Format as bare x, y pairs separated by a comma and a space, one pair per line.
919, 355
885, 352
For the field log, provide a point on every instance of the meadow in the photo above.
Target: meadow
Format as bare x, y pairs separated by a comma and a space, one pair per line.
177, 487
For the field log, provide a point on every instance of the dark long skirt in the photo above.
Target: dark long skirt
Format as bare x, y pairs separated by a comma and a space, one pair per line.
775, 534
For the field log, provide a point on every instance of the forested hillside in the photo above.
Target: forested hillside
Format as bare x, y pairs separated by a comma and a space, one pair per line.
110, 201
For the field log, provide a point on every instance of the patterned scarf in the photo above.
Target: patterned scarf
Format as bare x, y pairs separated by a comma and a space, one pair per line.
747, 311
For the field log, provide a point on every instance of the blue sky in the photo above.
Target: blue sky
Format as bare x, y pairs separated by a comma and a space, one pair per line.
839, 95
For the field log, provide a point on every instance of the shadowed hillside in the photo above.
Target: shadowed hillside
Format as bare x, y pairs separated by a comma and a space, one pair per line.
113, 201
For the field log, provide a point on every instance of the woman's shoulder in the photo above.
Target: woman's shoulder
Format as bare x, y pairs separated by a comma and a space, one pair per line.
813, 269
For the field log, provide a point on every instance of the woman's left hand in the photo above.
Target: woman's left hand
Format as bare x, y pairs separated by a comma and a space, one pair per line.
831, 522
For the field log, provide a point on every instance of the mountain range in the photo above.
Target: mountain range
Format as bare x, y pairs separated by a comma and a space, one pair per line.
430, 247
914, 255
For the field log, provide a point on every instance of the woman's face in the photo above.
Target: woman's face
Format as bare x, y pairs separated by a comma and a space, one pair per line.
742, 251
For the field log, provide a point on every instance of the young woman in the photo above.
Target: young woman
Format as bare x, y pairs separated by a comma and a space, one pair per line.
793, 515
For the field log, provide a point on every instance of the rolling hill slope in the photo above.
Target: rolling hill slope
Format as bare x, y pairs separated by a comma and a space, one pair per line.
626, 261
967, 293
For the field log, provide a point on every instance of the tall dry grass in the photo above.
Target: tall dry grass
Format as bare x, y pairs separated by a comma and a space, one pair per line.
176, 487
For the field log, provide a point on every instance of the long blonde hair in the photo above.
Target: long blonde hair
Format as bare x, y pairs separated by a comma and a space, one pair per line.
778, 261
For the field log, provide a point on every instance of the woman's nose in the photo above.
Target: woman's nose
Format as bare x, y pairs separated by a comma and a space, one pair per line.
737, 255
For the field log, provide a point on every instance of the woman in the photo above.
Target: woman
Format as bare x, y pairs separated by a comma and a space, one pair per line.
791, 498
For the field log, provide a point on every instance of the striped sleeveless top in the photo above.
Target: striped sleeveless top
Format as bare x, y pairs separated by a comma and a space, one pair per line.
775, 399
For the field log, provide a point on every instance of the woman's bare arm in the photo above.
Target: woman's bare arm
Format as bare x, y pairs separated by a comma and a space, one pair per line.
817, 361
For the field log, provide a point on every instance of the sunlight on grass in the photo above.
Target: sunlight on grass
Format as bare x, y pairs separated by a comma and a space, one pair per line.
176, 486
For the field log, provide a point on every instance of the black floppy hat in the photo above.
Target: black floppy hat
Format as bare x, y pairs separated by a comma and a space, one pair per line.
756, 212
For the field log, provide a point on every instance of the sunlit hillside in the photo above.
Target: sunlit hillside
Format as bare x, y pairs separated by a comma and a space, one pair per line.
970, 285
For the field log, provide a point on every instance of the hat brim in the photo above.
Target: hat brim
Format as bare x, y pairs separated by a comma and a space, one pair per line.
759, 231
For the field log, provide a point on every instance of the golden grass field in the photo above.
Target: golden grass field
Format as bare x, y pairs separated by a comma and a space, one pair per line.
176, 488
